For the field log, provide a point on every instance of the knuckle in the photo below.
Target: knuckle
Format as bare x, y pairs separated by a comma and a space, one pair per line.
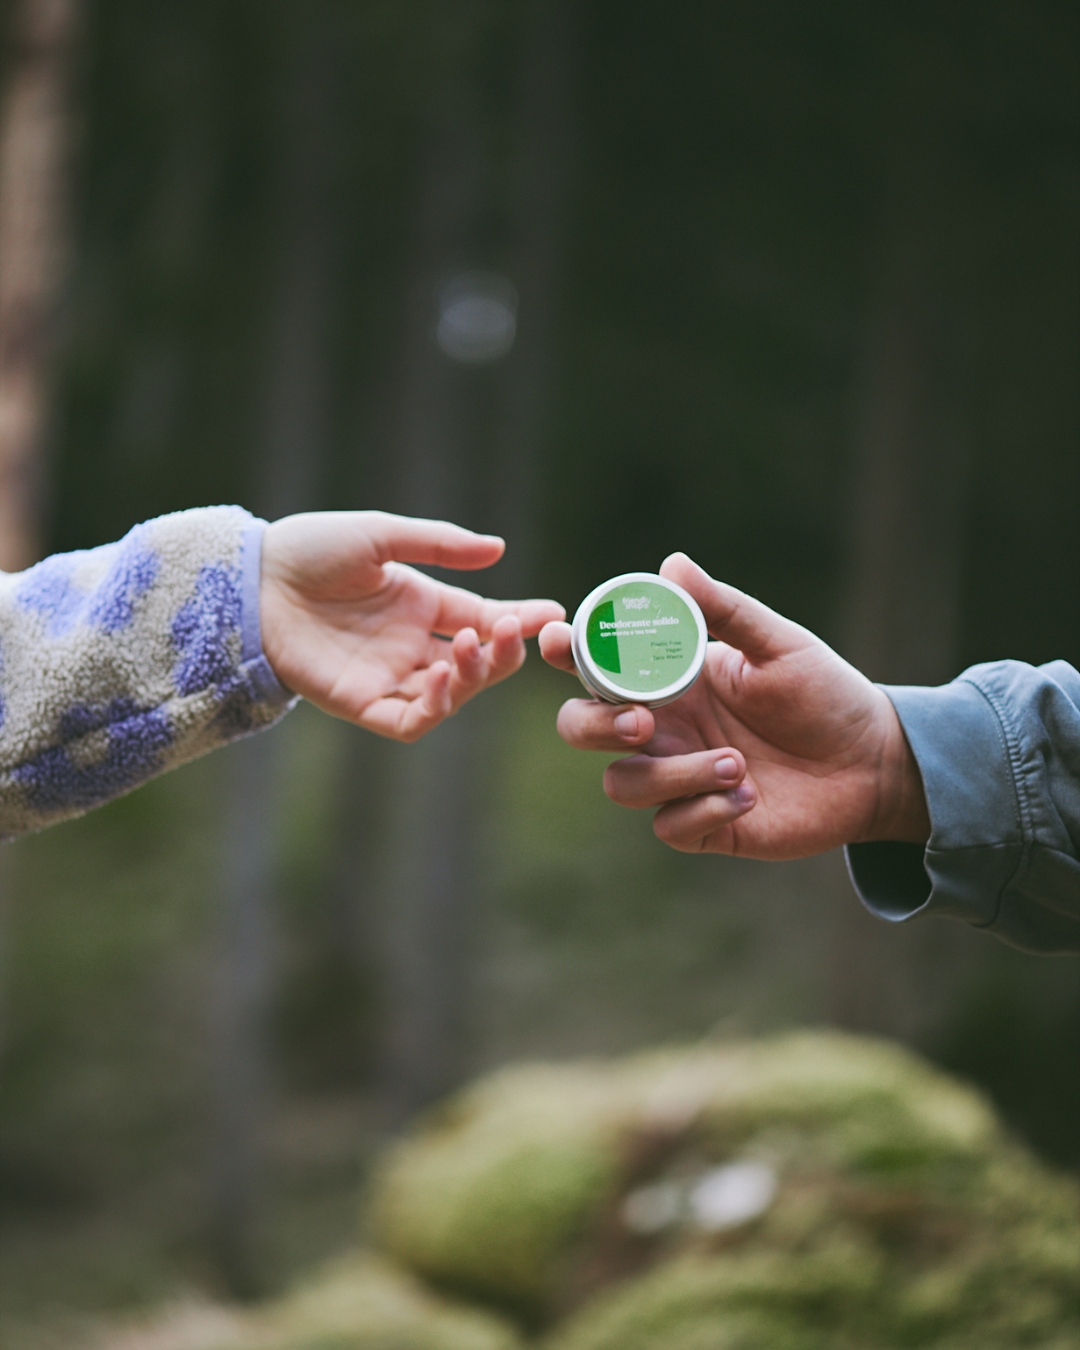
616, 787
681, 780
664, 829
571, 724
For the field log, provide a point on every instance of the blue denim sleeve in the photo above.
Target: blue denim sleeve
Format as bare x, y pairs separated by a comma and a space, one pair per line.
999, 754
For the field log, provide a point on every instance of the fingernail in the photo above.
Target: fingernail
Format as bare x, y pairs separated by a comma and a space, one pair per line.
744, 794
626, 724
726, 767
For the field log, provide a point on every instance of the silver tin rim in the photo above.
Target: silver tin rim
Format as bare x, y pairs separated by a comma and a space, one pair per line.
597, 682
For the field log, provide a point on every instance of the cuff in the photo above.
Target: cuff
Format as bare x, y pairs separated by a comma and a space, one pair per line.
976, 839
265, 684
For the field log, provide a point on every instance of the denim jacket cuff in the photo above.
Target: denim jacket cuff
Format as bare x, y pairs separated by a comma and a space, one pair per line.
976, 838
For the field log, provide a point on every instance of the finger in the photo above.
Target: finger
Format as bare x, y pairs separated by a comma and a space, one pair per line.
733, 617
555, 646
459, 608
435, 542
506, 651
476, 667
590, 725
468, 664
698, 823
408, 719
644, 781
473, 666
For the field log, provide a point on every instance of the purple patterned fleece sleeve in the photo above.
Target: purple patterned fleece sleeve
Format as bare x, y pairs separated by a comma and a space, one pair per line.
119, 662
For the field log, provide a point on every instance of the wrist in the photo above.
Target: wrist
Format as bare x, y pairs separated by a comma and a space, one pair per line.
260, 671
900, 813
273, 604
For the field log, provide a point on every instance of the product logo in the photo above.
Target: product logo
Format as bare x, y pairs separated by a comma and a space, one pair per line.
635, 602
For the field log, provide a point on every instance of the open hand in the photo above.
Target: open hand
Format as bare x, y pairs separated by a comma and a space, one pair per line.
780, 750
348, 626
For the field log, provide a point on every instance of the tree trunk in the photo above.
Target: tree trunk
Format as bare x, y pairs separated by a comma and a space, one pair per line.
34, 143
906, 535
433, 789
907, 510
540, 172
291, 472
35, 134
440, 789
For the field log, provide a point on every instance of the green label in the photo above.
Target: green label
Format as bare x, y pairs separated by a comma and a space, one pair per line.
644, 634
600, 635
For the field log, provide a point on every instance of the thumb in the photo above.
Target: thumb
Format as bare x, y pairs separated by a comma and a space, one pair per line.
734, 617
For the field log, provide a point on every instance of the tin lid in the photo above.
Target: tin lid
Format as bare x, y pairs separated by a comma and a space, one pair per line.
639, 638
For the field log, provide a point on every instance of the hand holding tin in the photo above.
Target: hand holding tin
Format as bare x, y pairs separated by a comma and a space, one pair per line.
348, 626
824, 756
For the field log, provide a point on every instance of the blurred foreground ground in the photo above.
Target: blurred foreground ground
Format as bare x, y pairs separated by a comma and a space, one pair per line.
585, 936
791, 1193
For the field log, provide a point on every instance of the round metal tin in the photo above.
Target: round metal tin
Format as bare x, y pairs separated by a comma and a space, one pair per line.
639, 638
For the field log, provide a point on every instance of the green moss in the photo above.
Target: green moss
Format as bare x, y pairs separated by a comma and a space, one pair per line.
898, 1216
742, 1304
363, 1303
493, 1190
359, 1303
837, 1296
903, 1216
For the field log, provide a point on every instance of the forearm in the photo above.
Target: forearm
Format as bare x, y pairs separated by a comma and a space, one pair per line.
999, 755
123, 661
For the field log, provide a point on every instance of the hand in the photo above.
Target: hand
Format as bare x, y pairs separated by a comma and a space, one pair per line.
780, 750
363, 637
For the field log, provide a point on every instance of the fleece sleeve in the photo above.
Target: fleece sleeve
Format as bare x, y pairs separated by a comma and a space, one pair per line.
119, 662
999, 754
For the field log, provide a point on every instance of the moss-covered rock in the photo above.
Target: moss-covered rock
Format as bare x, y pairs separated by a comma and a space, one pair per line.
695, 1302
498, 1184
807, 1192
364, 1303
766, 1193
360, 1303
837, 1297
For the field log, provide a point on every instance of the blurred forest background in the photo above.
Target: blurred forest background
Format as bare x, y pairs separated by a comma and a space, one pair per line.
793, 288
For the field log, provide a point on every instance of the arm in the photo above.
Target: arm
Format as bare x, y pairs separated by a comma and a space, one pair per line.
123, 661
998, 752
782, 750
